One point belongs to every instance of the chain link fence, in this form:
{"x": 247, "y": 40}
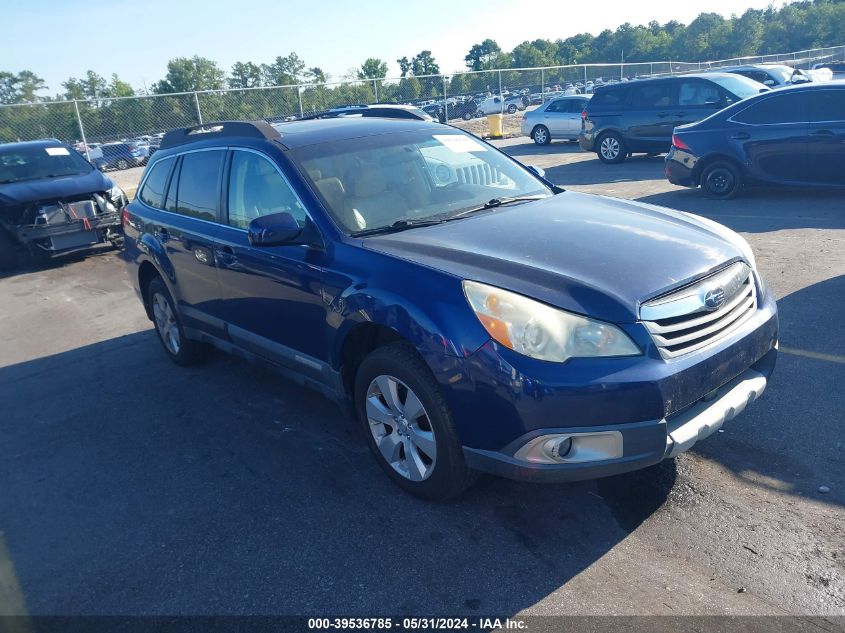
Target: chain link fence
{"x": 461, "y": 98}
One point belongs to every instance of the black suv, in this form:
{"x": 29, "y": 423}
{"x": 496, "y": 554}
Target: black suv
{"x": 639, "y": 116}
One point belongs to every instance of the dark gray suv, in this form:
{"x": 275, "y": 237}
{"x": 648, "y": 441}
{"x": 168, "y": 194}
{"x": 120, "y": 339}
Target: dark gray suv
{"x": 639, "y": 116}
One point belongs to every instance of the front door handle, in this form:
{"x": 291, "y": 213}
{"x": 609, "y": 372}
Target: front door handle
{"x": 823, "y": 133}
{"x": 226, "y": 256}
{"x": 741, "y": 136}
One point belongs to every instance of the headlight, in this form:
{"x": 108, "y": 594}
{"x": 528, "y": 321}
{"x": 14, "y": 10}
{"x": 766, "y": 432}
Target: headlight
{"x": 117, "y": 196}
{"x": 541, "y": 331}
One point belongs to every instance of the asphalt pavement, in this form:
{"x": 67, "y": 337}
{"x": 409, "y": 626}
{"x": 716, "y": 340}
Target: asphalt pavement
{"x": 131, "y": 486}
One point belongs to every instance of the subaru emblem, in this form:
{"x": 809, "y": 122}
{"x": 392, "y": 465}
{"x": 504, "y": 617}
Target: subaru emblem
{"x": 714, "y": 297}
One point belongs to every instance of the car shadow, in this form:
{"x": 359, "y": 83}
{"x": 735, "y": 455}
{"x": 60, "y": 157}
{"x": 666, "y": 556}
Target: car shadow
{"x": 135, "y": 486}
{"x": 529, "y": 148}
{"x": 753, "y": 211}
{"x": 28, "y": 264}
{"x": 591, "y": 171}
{"x": 791, "y": 440}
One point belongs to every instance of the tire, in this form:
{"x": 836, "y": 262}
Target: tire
{"x": 512, "y": 108}
{"x": 122, "y": 164}
{"x": 467, "y": 116}
{"x": 611, "y": 148}
{"x": 541, "y": 135}
{"x": 721, "y": 180}
{"x": 423, "y": 455}
{"x": 8, "y": 252}
{"x": 168, "y": 326}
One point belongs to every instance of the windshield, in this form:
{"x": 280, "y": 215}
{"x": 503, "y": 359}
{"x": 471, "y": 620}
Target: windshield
{"x": 411, "y": 176}
{"x": 33, "y": 163}
{"x": 742, "y": 87}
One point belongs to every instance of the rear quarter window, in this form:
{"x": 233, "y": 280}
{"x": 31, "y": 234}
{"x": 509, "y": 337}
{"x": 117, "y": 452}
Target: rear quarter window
{"x": 152, "y": 193}
{"x": 198, "y": 194}
{"x": 784, "y": 107}
{"x": 609, "y": 97}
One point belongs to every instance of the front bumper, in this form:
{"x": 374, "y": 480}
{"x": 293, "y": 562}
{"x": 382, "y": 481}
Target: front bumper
{"x": 642, "y": 444}
{"x": 57, "y": 238}
{"x": 658, "y": 407}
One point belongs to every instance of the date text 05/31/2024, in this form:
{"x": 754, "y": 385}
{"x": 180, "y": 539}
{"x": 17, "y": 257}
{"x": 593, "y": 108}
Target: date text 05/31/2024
{"x": 435, "y": 624}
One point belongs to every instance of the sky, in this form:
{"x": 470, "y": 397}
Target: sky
{"x": 58, "y": 39}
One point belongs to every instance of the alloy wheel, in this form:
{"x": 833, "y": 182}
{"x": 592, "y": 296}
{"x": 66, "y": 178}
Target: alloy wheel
{"x": 540, "y": 136}
{"x": 166, "y": 324}
{"x": 401, "y": 428}
{"x": 609, "y": 148}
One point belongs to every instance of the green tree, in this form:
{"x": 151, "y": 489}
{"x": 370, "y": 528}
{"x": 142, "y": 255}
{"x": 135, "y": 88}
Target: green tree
{"x": 245, "y": 75}
{"x": 372, "y": 68}
{"x": 481, "y": 55}
{"x": 316, "y": 75}
{"x": 119, "y": 88}
{"x": 284, "y": 71}
{"x": 423, "y": 64}
{"x": 188, "y": 74}
{"x": 22, "y": 87}
{"x": 404, "y": 65}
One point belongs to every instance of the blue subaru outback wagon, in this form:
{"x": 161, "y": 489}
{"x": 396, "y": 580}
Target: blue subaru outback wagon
{"x": 478, "y": 318}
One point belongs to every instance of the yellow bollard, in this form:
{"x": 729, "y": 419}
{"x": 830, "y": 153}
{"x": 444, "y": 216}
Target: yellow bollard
{"x": 495, "y": 125}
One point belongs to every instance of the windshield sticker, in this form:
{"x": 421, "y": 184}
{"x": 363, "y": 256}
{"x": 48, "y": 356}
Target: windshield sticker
{"x": 460, "y": 143}
{"x": 58, "y": 151}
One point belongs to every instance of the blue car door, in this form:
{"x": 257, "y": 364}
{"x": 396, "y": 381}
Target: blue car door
{"x": 186, "y": 230}
{"x": 826, "y": 138}
{"x": 272, "y": 297}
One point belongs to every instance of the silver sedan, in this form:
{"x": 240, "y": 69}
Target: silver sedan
{"x": 558, "y": 118}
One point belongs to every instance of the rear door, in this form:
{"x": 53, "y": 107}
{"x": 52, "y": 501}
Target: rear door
{"x": 554, "y": 118}
{"x": 272, "y": 296}
{"x": 572, "y": 117}
{"x": 651, "y": 116}
{"x": 773, "y": 136}
{"x": 826, "y": 137}
{"x": 697, "y": 99}
{"x": 187, "y": 229}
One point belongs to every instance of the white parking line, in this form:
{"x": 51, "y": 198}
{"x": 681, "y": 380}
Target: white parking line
{"x": 833, "y": 358}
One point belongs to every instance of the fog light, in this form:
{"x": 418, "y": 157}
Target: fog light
{"x": 572, "y": 448}
{"x": 558, "y": 448}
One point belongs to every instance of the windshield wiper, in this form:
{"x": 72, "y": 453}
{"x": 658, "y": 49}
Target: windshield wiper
{"x": 496, "y": 202}
{"x": 399, "y": 225}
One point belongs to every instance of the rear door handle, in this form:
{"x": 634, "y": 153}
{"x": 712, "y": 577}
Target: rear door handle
{"x": 823, "y": 133}
{"x": 741, "y": 136}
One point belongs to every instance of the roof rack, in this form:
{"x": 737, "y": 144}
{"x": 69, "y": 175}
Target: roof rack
{"x": 219, "y": 129}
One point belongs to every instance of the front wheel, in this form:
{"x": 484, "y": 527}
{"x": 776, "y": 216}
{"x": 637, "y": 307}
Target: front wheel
{"x": 168, "y": 325}
{"x": 612, "y": 149}
{"x": 511, "y": 108}
{"x": 122, "y": 164}
{"x": 408, "y": 425}
{"x": 541, "y": 135}
{"x": 721, "y": 180}
{"x": 467, "y": 116}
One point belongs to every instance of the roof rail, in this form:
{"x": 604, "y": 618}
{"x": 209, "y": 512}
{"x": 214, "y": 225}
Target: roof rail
{"x": 219, "y": 129}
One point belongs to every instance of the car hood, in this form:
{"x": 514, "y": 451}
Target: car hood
{"x": 589, "y": 254}
{"x": 46, "y": 189}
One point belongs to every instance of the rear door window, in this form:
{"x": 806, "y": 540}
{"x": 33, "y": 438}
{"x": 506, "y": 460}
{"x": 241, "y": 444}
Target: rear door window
{"x": 827, "y": 105}
{"x": 555, "y": 106}
{"x": 152, "y": 193}
{"x": 653, "y": 95}
{"x": 695, "y": 92}
{"x": 198, "y": 193}
{"x": 790, "y": 107}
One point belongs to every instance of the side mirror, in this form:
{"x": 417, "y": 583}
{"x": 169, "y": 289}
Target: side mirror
{"x": 769, "y": 82}
{"x": 537, "y": 170}
{"x": 276, "y": 229}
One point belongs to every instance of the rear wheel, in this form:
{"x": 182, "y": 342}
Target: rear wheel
{"x": 122, "y": 164}
{"x": 168, "y": 325}
{"x": 541, "y": 135}
{"x": 8, "y": 252}
{"x": 408, "y": 425}
{"x": 721, "y": 180}
{"x": 512, "y": 108}
{"x": 611, "y": 148}
{"x": 467, "y": 116}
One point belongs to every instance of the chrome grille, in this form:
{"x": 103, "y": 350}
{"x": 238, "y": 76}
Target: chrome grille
{"x": 682, "y": 321}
